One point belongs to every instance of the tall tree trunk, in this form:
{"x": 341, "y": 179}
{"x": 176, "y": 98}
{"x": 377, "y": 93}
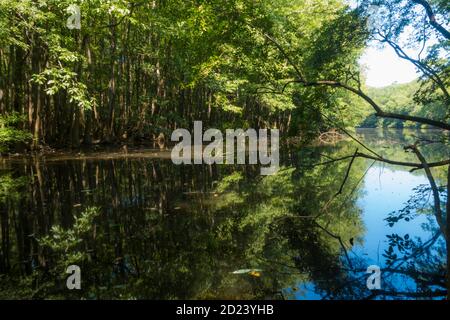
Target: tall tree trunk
{"x": 36, "y": 94}
{"x": 112, "y": 81}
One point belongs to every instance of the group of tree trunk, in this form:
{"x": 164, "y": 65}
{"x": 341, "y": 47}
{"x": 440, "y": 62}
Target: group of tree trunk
{"x": 113, "y": 80}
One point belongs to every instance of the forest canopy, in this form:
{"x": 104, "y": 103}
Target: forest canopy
{"x": 136, "y": 69}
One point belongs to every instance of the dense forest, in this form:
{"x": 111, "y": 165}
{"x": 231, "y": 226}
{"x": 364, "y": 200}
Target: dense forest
{"x": 136, "y": 70}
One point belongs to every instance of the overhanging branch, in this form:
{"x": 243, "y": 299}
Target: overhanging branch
{"x": 432, "y": 18}
{"x": 414, "y": 165}
{"x": 379, "y": 112}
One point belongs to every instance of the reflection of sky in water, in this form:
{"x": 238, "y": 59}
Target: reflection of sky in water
{"x": 385, "y": 190}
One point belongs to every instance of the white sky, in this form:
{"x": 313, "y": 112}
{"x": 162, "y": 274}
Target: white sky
{"x": 383, "y": 67}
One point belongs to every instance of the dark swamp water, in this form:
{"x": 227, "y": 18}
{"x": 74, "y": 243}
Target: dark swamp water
{"x": 141, "y": 227}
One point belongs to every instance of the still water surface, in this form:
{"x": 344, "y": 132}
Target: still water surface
{"x": 140, "y": 227}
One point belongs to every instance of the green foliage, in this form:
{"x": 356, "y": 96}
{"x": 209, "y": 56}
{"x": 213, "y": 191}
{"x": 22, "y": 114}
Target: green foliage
{"x": 406, "y": 28}
{"x": 66, "y": 243}
{"x": 10, "y": 188}
{"x": 397, "y": 98}
{"x": 56, "y": 79}
{"x": 12, "y": 138}
{"x": 402, "y": 99}
{"x": 144, "y": 68}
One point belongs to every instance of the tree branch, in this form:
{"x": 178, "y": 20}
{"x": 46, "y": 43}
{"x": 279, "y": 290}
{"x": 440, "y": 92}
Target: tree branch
{"x": 415, "y": 166}
{"x": 340, "y": 242}
{"x": 432, "y": 18}
{"x": 376, "y": 107}
{"x": 347, "y": 173}
{"x": 288, "y": 58}
{"x": 426, "y": 69}
{"x": 358, "y": 92}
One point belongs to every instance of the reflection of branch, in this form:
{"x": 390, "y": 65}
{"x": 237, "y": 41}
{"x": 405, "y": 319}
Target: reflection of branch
{"x": 340, "y": 241}
{"x": 434, "y": 188}
{"x": 424, "y": 277}
{"x": 347, "y": 173}
{"x": 325, "y": 207}
{"x": 396, "y": 270}
{"x": 417, "y": 252}
{"x": 355, "y": 187}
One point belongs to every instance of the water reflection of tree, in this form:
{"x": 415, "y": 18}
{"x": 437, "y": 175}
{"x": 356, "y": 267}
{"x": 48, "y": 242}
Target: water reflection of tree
{"x": 163, "y": 231}
{"x": 422, "y": 261}
{"x": 414, "y": 267}
{"x": 298, "y": 224}
{"x": 169, "y": 232}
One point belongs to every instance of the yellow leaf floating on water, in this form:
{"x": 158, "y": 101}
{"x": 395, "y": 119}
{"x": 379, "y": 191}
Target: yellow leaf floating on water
{"x": 255, "y": 274}
{"x": 252, "y": 272}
